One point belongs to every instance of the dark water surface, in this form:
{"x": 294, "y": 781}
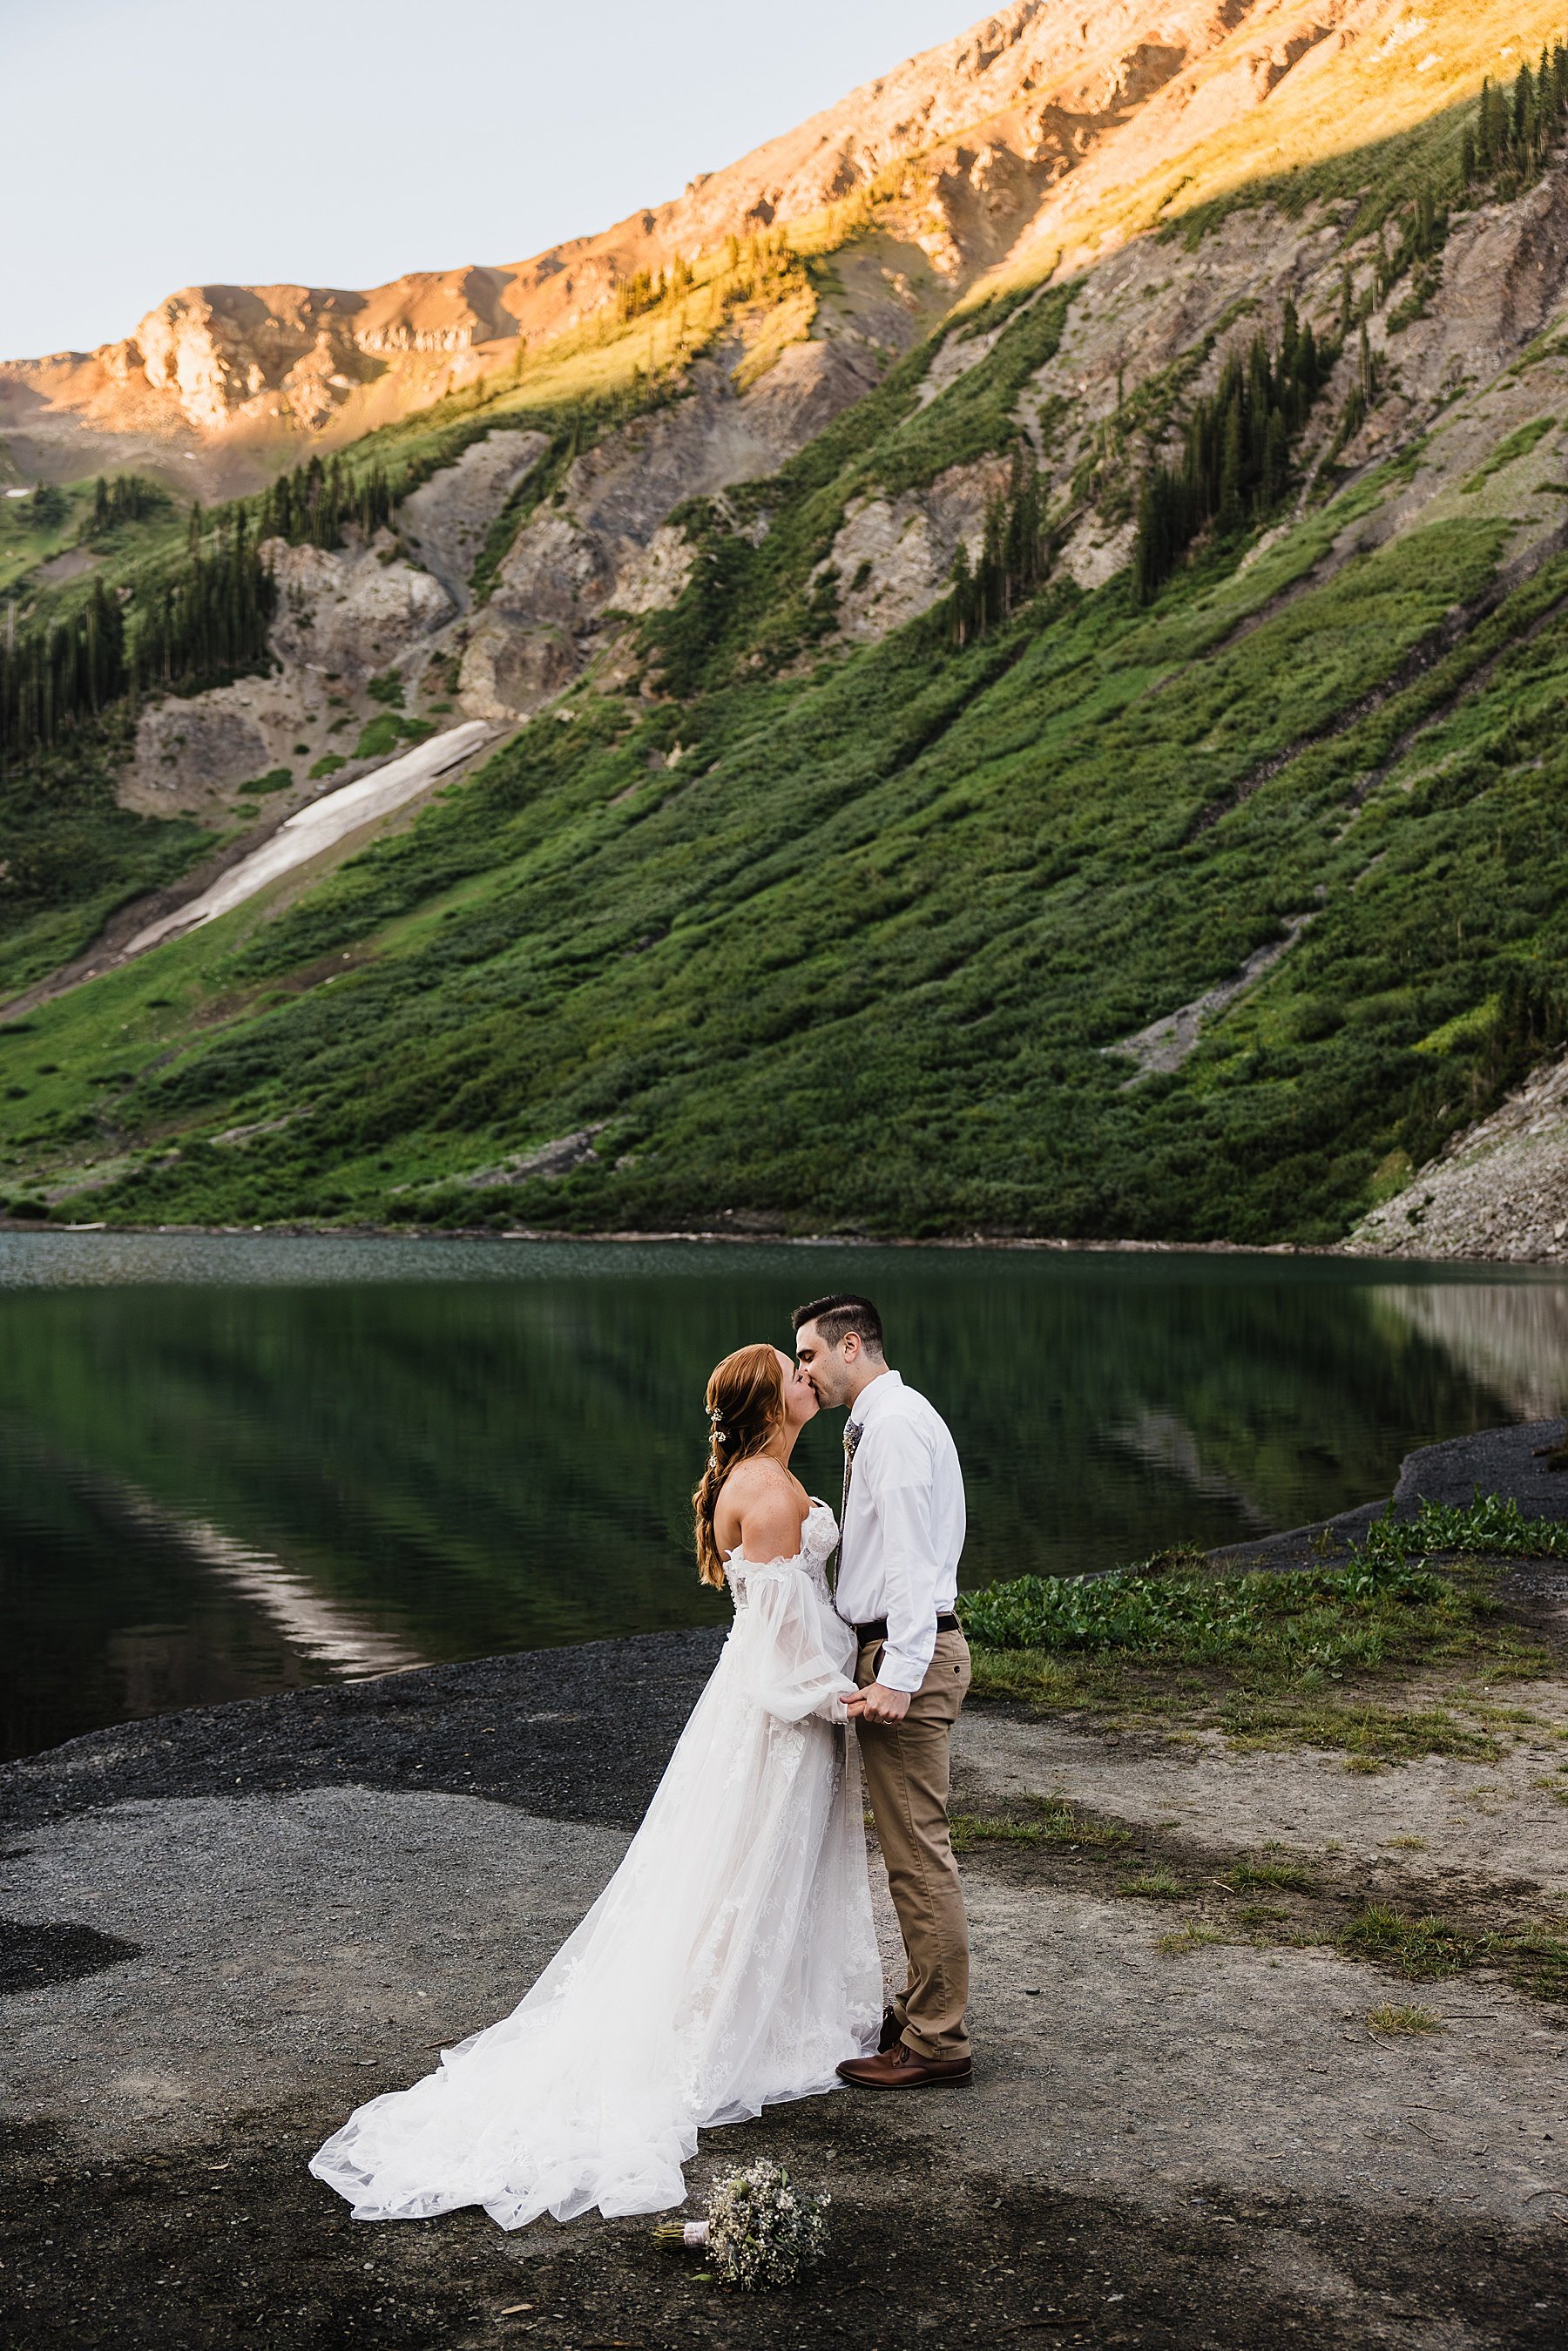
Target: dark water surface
{"x": 230, "y": 1465}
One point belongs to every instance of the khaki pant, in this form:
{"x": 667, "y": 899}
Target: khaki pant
{"x": 906, "y": 1766}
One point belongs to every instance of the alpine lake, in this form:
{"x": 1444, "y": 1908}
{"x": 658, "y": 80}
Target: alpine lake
{"x": 236, "y": 1463}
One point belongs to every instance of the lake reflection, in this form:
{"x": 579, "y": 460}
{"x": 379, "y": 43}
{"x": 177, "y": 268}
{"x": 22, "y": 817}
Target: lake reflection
{"x": 230, "y": 1465}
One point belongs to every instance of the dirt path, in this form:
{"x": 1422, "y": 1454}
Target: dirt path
{"x": 1187, "y": 2146}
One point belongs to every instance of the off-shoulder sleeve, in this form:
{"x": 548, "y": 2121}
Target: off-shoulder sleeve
{"x": 793, "y": 1664}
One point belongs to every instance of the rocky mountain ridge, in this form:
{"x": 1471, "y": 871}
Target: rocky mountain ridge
{"x": 1033, "y": 138}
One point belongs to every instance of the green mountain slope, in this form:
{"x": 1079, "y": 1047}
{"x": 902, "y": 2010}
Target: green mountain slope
{"x": 855, "y": 959}
{"x": 761, "y": 926}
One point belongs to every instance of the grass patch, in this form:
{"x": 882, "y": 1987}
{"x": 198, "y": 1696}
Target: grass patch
{"x": 1187, "y": 1939}
{"x": 1405, "y": 2020}
{"x": 1052, "y": 1820}
{"x": 971, "y": 1829}
{"x": 382, "y": 735}
{"x": 1265, "y": 1657}
{"x": 1369, "y": 1733}
{"x": 1421, "y": 1949}
{"x": 1062, "y": 1823}
{"x": 1041, "y": 1821}
{"x": 1533, "y": 1956}
{"x": 1153, "y": 1886}
{"x": 1287, "y": 1877}
{"x": 1508, "y": 452}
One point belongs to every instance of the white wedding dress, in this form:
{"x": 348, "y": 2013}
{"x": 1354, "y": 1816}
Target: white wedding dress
{"x": 730, "y": 1963}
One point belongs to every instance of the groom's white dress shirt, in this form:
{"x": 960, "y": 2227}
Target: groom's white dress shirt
{"x": 904, "y": 1526}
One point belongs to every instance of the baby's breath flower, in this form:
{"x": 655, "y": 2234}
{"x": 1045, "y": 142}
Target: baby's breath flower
{"x": 760, "y": 2231}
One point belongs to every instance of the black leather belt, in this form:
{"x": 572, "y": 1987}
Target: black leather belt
{"x": 877, "y": 1629}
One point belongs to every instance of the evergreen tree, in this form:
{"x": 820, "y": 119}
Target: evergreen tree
{"x": 1524, "y": 108}
{"x": 50, "y": 506}
{"x": 212, "y": 619}
{"x": 1512, "y": 135}
{"x": 125, "y": 499}
{"x": 1235, "y": 462}
{"x": 311, "y": 505}
{"x": 1013, "y": 560}
{"x": 55, "y": 678}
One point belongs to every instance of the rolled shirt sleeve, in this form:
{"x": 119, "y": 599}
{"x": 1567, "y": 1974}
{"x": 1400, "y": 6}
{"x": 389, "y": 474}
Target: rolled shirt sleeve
{"x": 898, "y": 1481}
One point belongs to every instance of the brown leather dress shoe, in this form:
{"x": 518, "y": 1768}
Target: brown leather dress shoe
{"x": 902, "y": 2068}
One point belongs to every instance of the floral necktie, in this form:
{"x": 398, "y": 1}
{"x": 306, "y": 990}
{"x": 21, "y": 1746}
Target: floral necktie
{"x": 852, "y": 1439}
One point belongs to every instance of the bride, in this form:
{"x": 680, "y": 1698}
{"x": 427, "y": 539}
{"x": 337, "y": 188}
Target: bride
{"x": 731, "y": 1962}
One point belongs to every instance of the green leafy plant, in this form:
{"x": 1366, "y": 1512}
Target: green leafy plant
{"x": 381, "y": 736}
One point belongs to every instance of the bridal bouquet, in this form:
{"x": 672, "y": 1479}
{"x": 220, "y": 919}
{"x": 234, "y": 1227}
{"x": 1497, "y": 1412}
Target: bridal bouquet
{"x": 759, "y": 2230}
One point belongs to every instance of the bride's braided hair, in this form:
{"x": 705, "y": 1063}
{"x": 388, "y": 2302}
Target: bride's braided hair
{"x": 745, "y": 1406}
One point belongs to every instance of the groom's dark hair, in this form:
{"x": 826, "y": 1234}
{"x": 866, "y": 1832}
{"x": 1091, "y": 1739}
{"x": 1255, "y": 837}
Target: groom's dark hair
{"x": 837, "y": 1316}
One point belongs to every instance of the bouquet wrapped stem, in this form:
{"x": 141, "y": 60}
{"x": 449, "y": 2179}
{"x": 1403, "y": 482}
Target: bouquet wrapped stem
{"x": 692, "y": 2234}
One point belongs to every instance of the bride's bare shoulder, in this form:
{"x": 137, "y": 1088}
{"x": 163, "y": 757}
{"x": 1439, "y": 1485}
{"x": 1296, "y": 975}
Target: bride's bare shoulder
{"x": 758, "y": 1474}
{"x": 759, "y": 1507}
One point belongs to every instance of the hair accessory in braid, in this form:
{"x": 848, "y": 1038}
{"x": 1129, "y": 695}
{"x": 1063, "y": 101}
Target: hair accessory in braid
{"x": 745, "y": 1406}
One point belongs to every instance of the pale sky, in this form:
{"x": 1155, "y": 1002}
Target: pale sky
{"x": 152, "y": 145}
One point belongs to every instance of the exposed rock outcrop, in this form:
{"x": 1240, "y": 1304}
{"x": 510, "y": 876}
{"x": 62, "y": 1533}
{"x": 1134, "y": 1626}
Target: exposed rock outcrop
{"x": 1501, "y": 1189}
{"x": 449, "y": 518}
{"x": 251, "y": 366}
{"x": 606, "y": 547}
{"x": 342, "y": 616}
{"x": 351, "y": 613}
{"x": 895, "y": 556}
{"x": 186, "y": 749}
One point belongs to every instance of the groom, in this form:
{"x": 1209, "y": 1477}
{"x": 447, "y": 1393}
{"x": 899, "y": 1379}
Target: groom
{"x": 900, "y": 1534}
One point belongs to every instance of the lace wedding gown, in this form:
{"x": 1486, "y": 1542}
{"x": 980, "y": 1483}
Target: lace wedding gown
{"x": 730, "y": 1963}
